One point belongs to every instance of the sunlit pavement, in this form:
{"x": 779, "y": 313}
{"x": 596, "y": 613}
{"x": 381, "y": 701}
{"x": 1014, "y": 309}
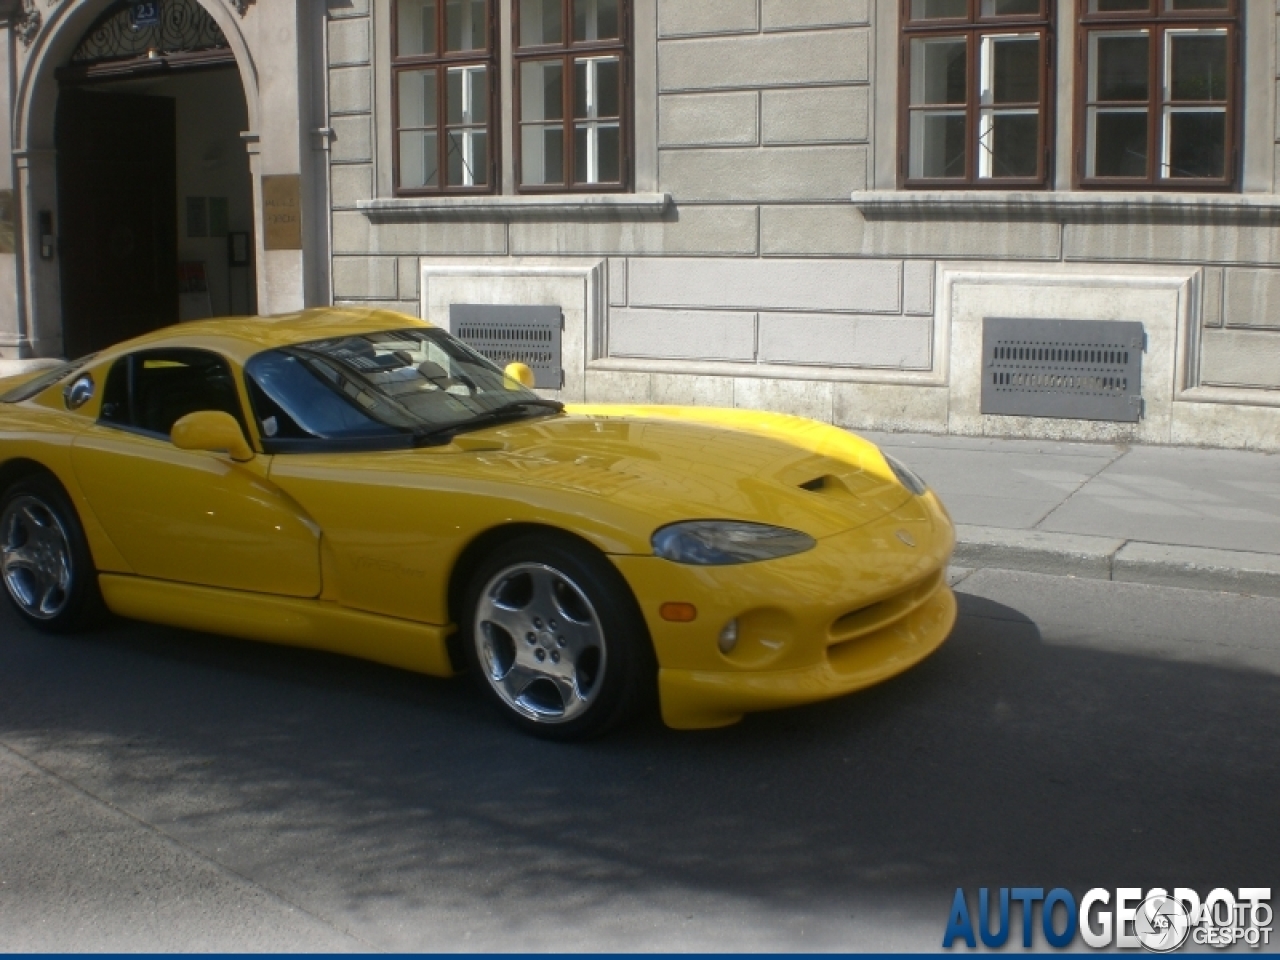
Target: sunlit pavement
{"x": 165, "y": 790}
{"x": 1169, "y": 516}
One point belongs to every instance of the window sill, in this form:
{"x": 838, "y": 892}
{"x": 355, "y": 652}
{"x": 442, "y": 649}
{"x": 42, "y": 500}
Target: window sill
{"x": 603, "y": 205}
{"x": 1061, "y": 205}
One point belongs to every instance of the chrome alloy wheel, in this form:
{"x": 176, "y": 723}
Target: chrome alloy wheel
{"x": 540, "y": 642}
{"x": 35, "y": 557}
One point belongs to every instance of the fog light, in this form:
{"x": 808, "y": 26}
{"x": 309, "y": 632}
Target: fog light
{"x": 729, "y": 636}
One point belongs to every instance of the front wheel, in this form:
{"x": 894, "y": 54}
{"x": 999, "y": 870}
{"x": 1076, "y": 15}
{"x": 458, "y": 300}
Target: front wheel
{"x": 44, "y": 558}
{"x": 556, "y": 639}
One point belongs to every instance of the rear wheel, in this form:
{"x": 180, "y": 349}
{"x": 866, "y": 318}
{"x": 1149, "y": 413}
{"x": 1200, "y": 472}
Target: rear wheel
{"x": 44, "y": 558}
{"x": 556, "y": 640}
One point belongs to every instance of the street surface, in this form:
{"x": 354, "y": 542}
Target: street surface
{"x": 163, "y": 790}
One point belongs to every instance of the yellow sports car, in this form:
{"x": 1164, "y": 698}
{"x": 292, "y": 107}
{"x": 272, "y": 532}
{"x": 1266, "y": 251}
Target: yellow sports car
{"x": 362, "y": 482}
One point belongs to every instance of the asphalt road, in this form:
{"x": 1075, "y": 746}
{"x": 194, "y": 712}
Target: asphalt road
{"x": 164, "y": 790}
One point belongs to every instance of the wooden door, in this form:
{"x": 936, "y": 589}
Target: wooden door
{"x": 118, "y": 217}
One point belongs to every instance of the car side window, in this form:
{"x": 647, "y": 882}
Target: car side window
{"x": 293, "y": 402}
{"x": 154, "y": 389}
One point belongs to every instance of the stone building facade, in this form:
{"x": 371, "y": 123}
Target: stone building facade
{"x": 808, "y": 206}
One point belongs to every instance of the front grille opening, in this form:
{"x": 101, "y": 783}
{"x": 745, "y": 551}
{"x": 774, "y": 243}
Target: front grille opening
{"x": 884, "y": 613}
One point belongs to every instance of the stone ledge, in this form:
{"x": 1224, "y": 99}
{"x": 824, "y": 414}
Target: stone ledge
{"x": 592, "y": 205}
{"x": 1127, "y": 561}
{"x": 1060, "y": 554}
{"x": 1061, "y": 205}
{"x": 774, "y": 371}
{"x": 1198, "y": 568}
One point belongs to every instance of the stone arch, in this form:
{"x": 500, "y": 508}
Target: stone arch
{"x": 37, "y": 94}
{"x": 32, "y": 135}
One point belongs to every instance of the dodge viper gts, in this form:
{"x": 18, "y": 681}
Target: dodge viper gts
{"x": 364, "y": 483}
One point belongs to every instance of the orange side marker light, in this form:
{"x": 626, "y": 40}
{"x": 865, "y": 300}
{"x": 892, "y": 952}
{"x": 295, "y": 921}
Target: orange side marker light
{"x": 678, "y": 612}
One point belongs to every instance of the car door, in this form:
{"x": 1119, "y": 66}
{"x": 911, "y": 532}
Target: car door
{"x": 189, "y": 516}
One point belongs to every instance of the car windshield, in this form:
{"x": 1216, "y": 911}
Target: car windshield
{"x": 398, "y": 385}
{"x": 47, "y": 379}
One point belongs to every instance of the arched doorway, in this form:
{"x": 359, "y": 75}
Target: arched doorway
{"x": 155, "y": 199}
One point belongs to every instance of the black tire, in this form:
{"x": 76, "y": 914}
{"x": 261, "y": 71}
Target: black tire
{"x": 555, "y": 639}
{"x": 45, "y": 563}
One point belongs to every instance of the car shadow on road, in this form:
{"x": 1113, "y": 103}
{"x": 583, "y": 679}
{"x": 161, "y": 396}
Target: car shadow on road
{"x": 1002, "y": 760}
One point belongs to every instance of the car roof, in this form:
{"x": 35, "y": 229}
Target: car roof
{"x": 242, "y": 337}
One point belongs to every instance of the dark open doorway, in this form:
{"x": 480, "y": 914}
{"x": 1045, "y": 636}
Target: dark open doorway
{"x": 155, "y": 200}
{"x": 117, "y": 212}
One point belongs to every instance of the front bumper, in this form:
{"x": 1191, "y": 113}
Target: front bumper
{"x": 859, "y": 608}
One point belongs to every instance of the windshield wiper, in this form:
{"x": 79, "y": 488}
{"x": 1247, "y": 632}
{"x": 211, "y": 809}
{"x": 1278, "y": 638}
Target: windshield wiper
{"x": 508, "y": 411}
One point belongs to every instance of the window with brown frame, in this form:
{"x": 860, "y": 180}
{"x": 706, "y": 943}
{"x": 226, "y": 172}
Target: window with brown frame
{"x": 1157, "y": 94}
{"x": 976, "y": 80}
{"x": 572, "y": 105}
{"x": 443, "y": 95}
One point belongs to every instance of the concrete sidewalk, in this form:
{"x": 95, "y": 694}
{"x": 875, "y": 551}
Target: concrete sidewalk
{"x": 1175, "y": 516}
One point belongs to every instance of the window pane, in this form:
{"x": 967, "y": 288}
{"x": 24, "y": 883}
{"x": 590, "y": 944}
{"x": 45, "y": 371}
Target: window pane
{"x": 1012, "y": 141}
{"x": 468, "y": 157}
{"x": 540, "y": 22}
{"x": 541, "y": 90}
{"x": 1119, "y": 147}
{"x": 597, "y": 153}
{"x": 597, "y": 87}
{"x": 415, "y": 27}
{"x": 541, "y": 155}
{"x": 1197, "y": 143}
{"x": 595, "y": 20}
{"x": 937, "y": 144}
{"x": 939, "y": 71}
{"x": 1009, "y": 8}
{"x": 419, "y": 159}
{"x": 464, "y": 25}
{"x": 939, "y": 9}
{"x": 1016, "y": 70}
{"x": 1198, "y": 66}
{"x": 1120, "y": 67}
{"x": 467, "y": 95}
{"x": 1198, "y": 5}
{"x": 1118, "y": 6}
{"x": 417, "y": 98}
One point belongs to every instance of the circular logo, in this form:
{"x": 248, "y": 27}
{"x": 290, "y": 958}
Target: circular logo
{"x": 1161, "y": 924}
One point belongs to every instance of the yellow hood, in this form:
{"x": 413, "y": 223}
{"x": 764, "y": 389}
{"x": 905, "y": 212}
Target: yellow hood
{"x": 678, "y": 463}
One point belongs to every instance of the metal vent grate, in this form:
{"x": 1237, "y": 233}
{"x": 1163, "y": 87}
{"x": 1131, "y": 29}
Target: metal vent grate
{"x": 508, "y": 334}
{"x": 1074, "y": 369}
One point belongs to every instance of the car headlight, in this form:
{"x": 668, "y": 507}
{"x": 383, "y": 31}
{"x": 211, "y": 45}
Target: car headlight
{"x": 718, "y": 542}
{"x": 906, "y": 476}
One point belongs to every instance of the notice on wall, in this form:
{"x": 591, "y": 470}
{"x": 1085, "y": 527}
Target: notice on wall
{"x": 6, "y": 221}
{"x": 197, "y": 217}
{"x": 194, "y": 302}
{"x": 282, "y": 211}
{"x": 219, "y": 217}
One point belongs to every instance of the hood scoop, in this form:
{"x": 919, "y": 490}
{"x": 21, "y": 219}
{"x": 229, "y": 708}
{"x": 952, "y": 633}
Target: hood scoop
{"x": 828, "y": 483}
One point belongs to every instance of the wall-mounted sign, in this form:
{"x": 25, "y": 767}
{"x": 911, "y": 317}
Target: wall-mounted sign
{"x": 144, "y": 14}
{"x": 282, "y": 211}
{"x": 219, "y": 216}
{"x": 194, "y": 302}
{"x": 238, "y": 249}
{"x": 6, "y": 221}
{"x": 197, "y": 217}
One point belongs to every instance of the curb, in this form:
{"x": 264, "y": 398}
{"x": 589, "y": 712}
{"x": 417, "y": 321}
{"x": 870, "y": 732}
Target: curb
{"x": 1128, "y": 561}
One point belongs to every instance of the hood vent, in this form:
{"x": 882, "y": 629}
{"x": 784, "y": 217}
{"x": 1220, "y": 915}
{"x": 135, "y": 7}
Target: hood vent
{"x": 819, "y": 484}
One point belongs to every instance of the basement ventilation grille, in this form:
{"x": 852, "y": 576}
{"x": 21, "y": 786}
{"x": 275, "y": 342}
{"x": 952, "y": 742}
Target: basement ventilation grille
{"x": 510, "y": 334}
{"x": 1072, "y": 369}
